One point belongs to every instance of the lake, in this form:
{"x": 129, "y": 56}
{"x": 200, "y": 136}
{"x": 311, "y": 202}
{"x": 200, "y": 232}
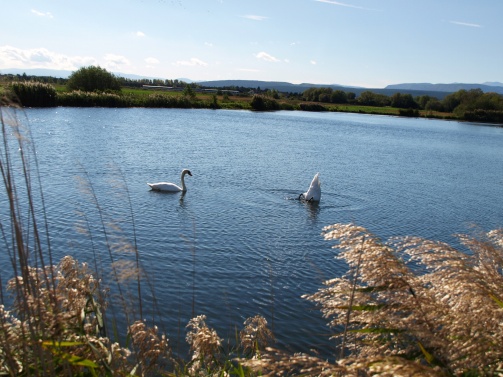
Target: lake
{"x": 238, "y": 243}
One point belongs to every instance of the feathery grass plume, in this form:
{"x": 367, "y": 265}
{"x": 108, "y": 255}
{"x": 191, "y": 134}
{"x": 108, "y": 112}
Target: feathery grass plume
{"x": 68, "y": 330}
{"x": 151, "y": 349}
{"x": 255, "y": 336}
{"x": 73, "y": 308}
{"x": 390, "y": 366}
{"x": 416, "y": 299}
{"x": 205, "y": 345}
{"x": 59, "y": 330}
{"x": 275, "y": 362}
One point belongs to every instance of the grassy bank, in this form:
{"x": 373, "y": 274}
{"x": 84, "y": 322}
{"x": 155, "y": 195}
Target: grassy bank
{"x": 31, "y": 94}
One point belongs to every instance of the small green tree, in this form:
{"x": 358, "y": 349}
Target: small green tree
{"x": 434, "y": 105}
{"x": 339, "y": 96}
{"x": 403, "y": 101}
{"x": 214, "y": 102}
{"x": 189, "y": 92}
{"x": 92, "y": 78}
{"x": 368, "y": 98}
{"x": 324, "y": 97}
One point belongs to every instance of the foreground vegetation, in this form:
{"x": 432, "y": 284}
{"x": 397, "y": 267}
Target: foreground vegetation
{"x": 95, "y": 87}
{"x": 408, "y": 306}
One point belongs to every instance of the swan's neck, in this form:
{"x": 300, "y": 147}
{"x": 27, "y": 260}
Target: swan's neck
{"x": 182, "y": 178}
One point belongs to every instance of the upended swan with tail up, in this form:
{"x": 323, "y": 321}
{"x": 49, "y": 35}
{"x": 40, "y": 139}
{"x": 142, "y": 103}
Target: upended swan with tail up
{"x": 171, "y": 187}
{"x": 313, "y": 194}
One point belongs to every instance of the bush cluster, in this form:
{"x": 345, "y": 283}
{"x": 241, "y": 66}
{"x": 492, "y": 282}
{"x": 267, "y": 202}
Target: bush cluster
{"x": 167, "y": 101}
{"x": 408, "y": 112}
{"x": 312, "y": 107}
{"x": 486, "y": 116}
{"x": 34, "y": 94}
{"x": 79, "y": 98}
{"x": 264, "y": 103}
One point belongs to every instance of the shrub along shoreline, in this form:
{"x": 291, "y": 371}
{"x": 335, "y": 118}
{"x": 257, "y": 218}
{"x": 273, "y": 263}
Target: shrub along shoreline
{"x": 37, "y": 94}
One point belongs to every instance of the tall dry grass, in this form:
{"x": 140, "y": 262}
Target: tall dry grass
{"x": 415, "y": 302}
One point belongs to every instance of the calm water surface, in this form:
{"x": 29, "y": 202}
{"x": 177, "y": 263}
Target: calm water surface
{"x": 238, "y": 243}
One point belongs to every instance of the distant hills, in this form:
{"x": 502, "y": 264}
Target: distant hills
{"x": 434, "y": 90}
{"x": 277, "y": 85}
{"x": 415, "y": 89}
{"x": 496, "y": 87}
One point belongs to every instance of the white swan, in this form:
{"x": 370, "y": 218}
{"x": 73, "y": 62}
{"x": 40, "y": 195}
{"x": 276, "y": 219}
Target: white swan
{"x": 313, "y": 194}
{"x": 171, "y": 187}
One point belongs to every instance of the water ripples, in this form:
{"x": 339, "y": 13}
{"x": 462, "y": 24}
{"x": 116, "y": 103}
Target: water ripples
{"x": 239, "y": 242}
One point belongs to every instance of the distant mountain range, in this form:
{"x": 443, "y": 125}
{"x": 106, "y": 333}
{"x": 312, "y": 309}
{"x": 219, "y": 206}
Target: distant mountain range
{"x": 415, "y": 89}
{"x": 434, "y": 90}
{"x": 277, "y": 85}
{"x": 485, "y": 87}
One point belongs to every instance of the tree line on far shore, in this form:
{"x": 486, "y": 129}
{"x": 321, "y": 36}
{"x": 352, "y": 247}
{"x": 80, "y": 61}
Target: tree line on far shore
{"x": 463, "y": 103}
{"x": 94, "y": 86}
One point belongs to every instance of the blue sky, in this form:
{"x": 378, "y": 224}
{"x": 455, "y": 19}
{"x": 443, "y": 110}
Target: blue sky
{"x": 369, "y": 43}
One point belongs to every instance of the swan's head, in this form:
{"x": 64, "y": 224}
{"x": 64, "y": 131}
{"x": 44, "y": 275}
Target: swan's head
{"x": 186, "y": 171}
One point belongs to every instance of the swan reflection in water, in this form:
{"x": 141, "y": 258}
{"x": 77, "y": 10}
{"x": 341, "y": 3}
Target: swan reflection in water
{"x": 313, "y": 209}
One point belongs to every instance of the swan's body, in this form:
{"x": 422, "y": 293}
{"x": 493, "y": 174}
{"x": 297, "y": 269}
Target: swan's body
{"x": 313, "y": 194}
{"x": 171, "y": 187}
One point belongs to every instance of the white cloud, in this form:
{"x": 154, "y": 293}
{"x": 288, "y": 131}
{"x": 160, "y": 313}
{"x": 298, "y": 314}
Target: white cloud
{"x": 464, "y": 24}
{"x": 254, "y": 17}
{"x": 116, "y": 62}
{"x": 41, "y": 14}
{"x": 343, "y": 4}
{"x": 192, "y": 62}
{"x": 12, "y": 57}
{"x": 152, "y": 61}
{"x": 265, "y": 56}
{"x": 209, "y": 44}
{"x": 140, "y": 34}
{"x": 313, "y": 62}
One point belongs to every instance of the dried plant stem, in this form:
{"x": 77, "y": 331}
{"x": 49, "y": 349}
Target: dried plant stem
{"x": 109, "y": 249}
{"x": 135, "y": 244}
{"x": 356, "y": 273}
